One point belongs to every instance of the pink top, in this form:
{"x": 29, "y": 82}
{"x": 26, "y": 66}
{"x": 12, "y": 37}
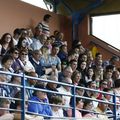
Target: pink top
{"x": 77, "y": 113}
{"x": 89, "y": 115}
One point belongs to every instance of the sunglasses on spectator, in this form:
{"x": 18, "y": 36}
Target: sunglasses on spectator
{"x": 16, "y": 52}
{"x": 24, "y": 54}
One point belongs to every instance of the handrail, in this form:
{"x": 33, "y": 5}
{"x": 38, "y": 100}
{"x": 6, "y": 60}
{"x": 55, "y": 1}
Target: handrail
{"x": 24, "y": 87}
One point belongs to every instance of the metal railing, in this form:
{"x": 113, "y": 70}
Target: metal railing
{"x": 24, "y": 87}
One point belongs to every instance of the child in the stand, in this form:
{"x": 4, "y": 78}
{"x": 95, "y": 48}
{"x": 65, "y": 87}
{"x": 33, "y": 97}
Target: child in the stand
{"x": 56, "y": 110}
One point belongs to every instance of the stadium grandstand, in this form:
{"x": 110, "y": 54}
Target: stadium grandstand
{"x": 52, "y": 67}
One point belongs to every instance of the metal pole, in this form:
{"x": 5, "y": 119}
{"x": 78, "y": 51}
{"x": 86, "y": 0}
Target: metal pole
{"x": 73, "y": 101}
{"x": 114, "y": 106}
{"x": 23, "y": 97}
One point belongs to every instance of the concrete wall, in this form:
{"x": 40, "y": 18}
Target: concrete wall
{"x": 17, "y": 14}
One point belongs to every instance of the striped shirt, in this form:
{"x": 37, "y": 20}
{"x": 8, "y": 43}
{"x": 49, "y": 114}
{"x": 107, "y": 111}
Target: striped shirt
{"x": 45, "y": 28}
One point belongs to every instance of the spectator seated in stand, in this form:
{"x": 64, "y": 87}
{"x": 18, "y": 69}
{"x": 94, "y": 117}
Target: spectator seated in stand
{"x": 39, "y": 108}
{"x": 88, "y": 112}
{"x": 101, "y": 110}
{"x": 67, "y": 91}
{"x": 79, "y": 105}
{"x": 52, "y": 86}
{"x": 22, "y": 64}
{"x": 17, "y": 114}
{"x": 4, "y": 113}
{"x": 63, "y": 53}
{"x": 57, "y": 111}
{"x": 35, "y": 60}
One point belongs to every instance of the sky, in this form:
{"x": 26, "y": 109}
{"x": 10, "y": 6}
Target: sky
{"x": 38, "y": 3}
{"x": 107, "y": 28}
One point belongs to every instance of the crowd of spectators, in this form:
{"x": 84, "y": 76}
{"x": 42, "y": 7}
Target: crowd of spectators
{"x": 37, "y": 54}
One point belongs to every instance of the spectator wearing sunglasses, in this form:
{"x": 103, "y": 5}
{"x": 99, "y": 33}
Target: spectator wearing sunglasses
{"x": 22, "y": 64}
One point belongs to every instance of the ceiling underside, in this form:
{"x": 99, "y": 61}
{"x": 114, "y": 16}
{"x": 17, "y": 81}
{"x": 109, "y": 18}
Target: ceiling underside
{"x": 68, "y": 7}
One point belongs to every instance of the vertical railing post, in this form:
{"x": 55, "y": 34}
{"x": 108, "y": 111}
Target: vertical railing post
{"x": 23, "y": 97}
{"x": 73, "y": 101}
{"x": 114, "y": 106}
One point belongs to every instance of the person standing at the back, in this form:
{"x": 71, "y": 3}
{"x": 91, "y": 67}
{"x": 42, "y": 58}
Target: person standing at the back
{"x": 44, "y": 25}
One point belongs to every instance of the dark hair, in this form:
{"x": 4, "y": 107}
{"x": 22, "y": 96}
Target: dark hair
{"x": 97, "y": 54}
{"x": 109, "y": 67}
{"x": 88, "y": 71}
{"x": 52, "y": 36}
{"x": 86, "y": 102}
{"x": 35, "y": 51}
{"x": 23, "y": 50}
{"x": 12, "y": 50}
{"x": 54, "y": 45}
{"x": 72, "y": 61}
{"x": 90, "y": 83}
{"x": 39, "y": 86}
{"x": 17, "y": 102}
{"x": 19, "y": 45}
{"x": 2, "y": 40}
{"x": 17, "y": 31}
{"x": 101, "y": 82}
{"x": 46, "y": 17}
{"x": 77, "y": 101}
{"x": 56, "y": 32}
{"x": 106, "y": 89}
{"x": 6, "y": 58}
{"x": 55, "y": 99}
{"x": 114, "y": 58}
{"x": 117, "y": 83}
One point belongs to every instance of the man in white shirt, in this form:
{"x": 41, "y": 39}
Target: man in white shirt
{"x": 36, "y": 44}
{"x": 66, "y": 90}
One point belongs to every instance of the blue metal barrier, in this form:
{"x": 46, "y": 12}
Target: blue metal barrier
{"x": 23, "y": 89}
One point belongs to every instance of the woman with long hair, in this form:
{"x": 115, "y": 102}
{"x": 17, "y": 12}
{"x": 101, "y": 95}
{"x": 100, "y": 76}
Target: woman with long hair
{"x": 6, "y": 42}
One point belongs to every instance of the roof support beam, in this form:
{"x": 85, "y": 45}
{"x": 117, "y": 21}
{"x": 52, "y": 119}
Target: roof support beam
{"x": 77, "y": 17}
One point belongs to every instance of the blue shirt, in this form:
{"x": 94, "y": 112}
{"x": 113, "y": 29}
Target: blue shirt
{"x": 39, "y": 108}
